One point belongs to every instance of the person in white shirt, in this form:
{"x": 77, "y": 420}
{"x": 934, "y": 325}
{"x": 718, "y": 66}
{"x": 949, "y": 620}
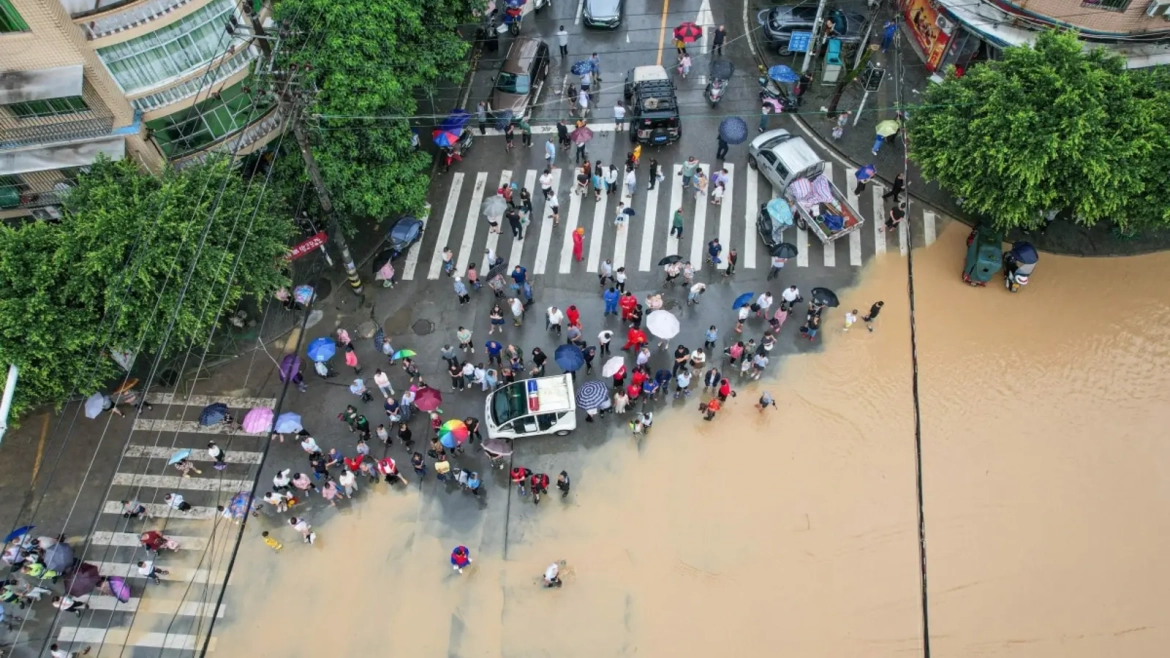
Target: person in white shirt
{"x": 217, "y": 454}
{"x": 383, "y": 382}
{"x": 619, "y": 277}
{"x": 631, "y": 183}
{"x": 698, "y": 359}
{"x": 69, "y": 604}
{"x": 583, "y": 102}
{"x": 603, "y": 339}
{"x": 309, "y": 445}
{"x": 175, "y": 501}
{"x": 764, "y": 301}
{"x": 619, "y": 116}
{"x": 554, "y": 318}
{"x": 302, "y": 526}
{"x": 552, "y": 576}
{"x": 643, "y": 355}
{"x": 348, "y": 482}
{"x": 281, "y": 480}
{"x": 546, "y": 181}
{"x": 789, "y": 298}
{"x": 777, "y": 265}
{"x": 611, "y": 179}
{"x": 563, "y": 40}
{"x": 146, "y": 569}
{"x": 480, "y": 377}
{"x": 279, "y": 501}
{"x": 57, "y": 652}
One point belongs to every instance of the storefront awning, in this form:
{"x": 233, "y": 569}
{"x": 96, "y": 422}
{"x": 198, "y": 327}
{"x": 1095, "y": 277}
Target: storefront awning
{"x": 40, "y": 84}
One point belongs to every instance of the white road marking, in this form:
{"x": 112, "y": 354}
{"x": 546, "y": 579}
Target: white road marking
{"x": 830, "y": 246}
{"x": 546, "y": 227}
{"x": 725, "y": 210}
{"x": 473, "y": 214}
{"x": 196, "y": 513}
{"x": 580, "y": 11}
{"x": 197, "y": 454}
{"x": 855, "y": 236}
{"x": 824, "y": 148}
{"x": 493, "y": 239}
{"x": 130, "y": 539}
{"x": 153, "y": 606}
{"x": 445, "y": 226}
{"x": 752, "y": 205}
{"x": 699, "y": 235}
{"x": 517, "y": 251}
{"x": 204, "y": 400}
{"x": 706, "y": 21}
{"x": 748, "y": 28}
{"x": 801, "y": 248}
{"x": 188, "y": 426}
{"x": 676, "y": 192}
{"x": 570, "y": 226}
{"x": 551, "y": 129}
{"x": 928, "y": 227}
{"x": 903, "y": 238}
{"x": 178, "y": 482}
{"x": 648, "y": 220}
{"x": 121, "y": 637}
{"x": 879, "y": 218}
{"x": 621, "y": 238}
{"x": 599, "y": 208}
{"x": 174, "y": 574}
{"x": 412, "y": 254}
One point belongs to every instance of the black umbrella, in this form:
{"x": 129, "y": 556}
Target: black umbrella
{"x": 83, "y": 581}
{"x": 669, "y": 260}
{"x": 503, "y": 119}
{"x": 786, "y": 250}
{"x": 825, "y": 297}
{"x": 382, "y": 258}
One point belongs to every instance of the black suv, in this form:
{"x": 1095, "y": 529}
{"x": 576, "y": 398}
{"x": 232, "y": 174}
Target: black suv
{"x": 654, "y": 118}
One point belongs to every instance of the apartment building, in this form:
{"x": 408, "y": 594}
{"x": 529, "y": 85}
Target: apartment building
{"x": 157, "y": 81}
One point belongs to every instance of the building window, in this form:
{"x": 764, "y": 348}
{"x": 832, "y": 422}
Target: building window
{"x": 205, "y": 123}
{"x": 198, "y": 84}
{"x": 1110, "y": 5}
{"x": 172, "y": 51}
{"x": 10, "y": 20}
{"x": 48, "y": 108}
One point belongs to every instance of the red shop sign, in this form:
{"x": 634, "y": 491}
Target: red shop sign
{"x": 307, "y": 246}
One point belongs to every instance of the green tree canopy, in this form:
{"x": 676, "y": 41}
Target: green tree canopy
{"x": 89, "y": 283}
{"x": 1050, "y": 127}
{"x": 369, "y": 59}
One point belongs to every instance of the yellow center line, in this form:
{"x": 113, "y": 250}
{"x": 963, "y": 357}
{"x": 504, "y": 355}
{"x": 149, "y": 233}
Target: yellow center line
{"x": 662, "y": 30}
{"x": 40, "y": 449}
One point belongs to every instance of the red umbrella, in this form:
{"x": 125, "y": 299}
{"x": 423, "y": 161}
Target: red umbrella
{"x": 687, "y": 32}
{"x": 428, "y": 399}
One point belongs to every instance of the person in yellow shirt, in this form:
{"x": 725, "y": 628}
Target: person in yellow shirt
{"x": 272, "y": 543}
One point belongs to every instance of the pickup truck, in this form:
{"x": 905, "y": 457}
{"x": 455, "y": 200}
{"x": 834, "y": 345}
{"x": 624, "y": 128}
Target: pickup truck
{"x": 791, "y": 165}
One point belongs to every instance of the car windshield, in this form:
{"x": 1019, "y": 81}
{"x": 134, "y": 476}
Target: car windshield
{"x": 509, "y": 402}
{"x": 782, "y": 19}
{"x": 513, "y": 83}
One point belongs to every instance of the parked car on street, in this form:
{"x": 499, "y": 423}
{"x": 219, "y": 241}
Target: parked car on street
{"x": 780, "y": 22}
{"x": 605, "y": 14}
{"x": 521, "y": 77}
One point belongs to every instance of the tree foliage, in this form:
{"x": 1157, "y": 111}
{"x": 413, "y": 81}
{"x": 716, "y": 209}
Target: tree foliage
{"x": 1050, "y": 127}
{"x": 370, "y": 59}
{"x": 90, "y": 283}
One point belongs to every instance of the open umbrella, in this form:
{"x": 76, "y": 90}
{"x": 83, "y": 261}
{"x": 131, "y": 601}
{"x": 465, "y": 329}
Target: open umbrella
{"x": 503, "y": 119}
{"x": 780, "y": 212}
{"x": 453, "y": 433}
{"x": 290, "y": 365}
{"x": 239, "y": 505}
{"x": 629, "y": 212}
{"x": 94, "y": 405}
{"x": 662, "y": 324}
{"x": 733, "y": 130}
{"x": 887, "y": 127}
{"x": 404, "y": 354}
{"x": 59, "y": 557}
{"x": 612, "y": 366}
{"x": 179, "y": 456}
{"x": 84, "y": 580}
{"x": 579, "y": 68}
{"x": 258, "y": 420}
{"x": 825, "y": 297}
{"x": 288, "y": 422}
{"x": 213, "y": 414}
{"x": 569, "y": 358}
{"x": 119, "y": 588}
{"x": 19, "y": 532}
{"x": 581, "y": 135}
{"x": 785, "y": 250}
{"x": 303, "y": 294}
{"x": 322, "y": 349}
{"x": 866, "y": 172}
{"x": 775, "y": 105}
{"x": 688, "y": 32}
{"x": 782, "y": 73}
{"x": 428, "y": 399}
{"x": 357, "y": 386}
{"x": 743, "y": 300}
{"x": 592, "y": 394}
{"x": 386, "y": 272}
{"x": 669, "y": 260}
{"x": 494, "y": 208}
{"x": 382, "y": 260}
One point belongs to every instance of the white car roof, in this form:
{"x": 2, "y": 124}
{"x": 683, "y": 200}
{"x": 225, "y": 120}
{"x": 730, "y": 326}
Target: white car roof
{"x": 651, "y": 72}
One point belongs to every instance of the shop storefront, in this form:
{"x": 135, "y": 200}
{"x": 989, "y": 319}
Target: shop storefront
{"x": 941, "y": 39}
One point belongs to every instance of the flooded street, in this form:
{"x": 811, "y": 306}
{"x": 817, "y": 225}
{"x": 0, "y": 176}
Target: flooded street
{"x": 795, "y": 530}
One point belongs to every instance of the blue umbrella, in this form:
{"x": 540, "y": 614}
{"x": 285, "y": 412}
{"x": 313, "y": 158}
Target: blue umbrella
{"x": 629, "y": 212}
{"x": 743, "y": 300}
{"x": 503, "y": 119}
{"x": 322, "y": 349}
{"x": 781, "y": 73}
{"x": 866, "y": 172}
{"x": 19, "y": 532}
{"x": 448, "y": 441}
{"x": 288, "y": 422}
{"x": 179, "y": 456}
{"x": 569, "y": 358}
{"x": 581, "y": 67}
{"x": 239, "y": 505}
{"x": 733, "y": 130}
{"x": 213, "y": 414}
{"x": 592, "y": 394}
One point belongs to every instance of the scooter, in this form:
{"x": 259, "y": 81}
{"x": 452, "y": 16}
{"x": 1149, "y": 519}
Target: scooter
{"x": 1018, "y": 265}
{"x": 721, "y": 72}
{"x": 454, "y": 153}
{"x": 768, "y": 89}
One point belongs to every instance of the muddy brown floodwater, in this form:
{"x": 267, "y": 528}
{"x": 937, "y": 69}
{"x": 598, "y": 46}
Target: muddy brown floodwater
{"x": 795, "y": 531}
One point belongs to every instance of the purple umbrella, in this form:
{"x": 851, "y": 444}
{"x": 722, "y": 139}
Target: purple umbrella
{"x": 119, "y": 588}
{"x": 83, "y": 581}
{"x": 289, "y": 367}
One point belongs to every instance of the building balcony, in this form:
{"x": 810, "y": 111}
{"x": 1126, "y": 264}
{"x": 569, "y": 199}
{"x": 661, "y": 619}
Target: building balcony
{"x": 118, "y": 18}
{"x": 248, "y": 140}
{"x": 16, "y": 133}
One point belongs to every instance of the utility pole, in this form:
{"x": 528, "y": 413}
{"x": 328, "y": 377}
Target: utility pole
{"x": 293, "y": 103}
{"x": 812, "y": 43}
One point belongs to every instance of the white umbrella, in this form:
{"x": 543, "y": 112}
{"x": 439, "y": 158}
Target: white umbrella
{"x": 95, "y": 405}
{"x": 662, "y": 324}
{"x": 612, "y": 366}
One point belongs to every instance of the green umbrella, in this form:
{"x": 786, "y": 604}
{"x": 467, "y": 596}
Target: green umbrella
{"x": 403, "y": 354}
{"x": 888, "y": 127}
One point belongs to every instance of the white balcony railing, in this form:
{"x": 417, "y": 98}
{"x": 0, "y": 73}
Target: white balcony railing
{"x": 138, "y": 15}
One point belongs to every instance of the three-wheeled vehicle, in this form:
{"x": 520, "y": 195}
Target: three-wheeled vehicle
{"x": 984, "y": 255}
{"x": 453, "y": 137}
{"x": 774, "y": 217}
{"x": 721, "y": 72}
{"x": 1018, "y": 265}
{"x": 513, "y": 16}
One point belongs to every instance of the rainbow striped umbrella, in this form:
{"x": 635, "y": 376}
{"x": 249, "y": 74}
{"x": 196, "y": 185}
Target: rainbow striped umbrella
{"x": 452, "y": 433}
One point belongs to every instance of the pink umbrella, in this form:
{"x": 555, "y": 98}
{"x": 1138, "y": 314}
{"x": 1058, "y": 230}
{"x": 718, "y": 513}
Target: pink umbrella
{"x": 258, "y": 420}
{"x": 428, "y": 399}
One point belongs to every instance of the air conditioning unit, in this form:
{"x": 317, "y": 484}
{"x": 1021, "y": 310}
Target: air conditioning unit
{"x": 47, "y": 213}
{"x": 1158, "y": 8}
{"x": 945, "y": 25}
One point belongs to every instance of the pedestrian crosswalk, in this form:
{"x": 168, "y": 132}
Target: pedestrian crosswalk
{"x": 174, "y": 614}
{"x": 645, "y": 238}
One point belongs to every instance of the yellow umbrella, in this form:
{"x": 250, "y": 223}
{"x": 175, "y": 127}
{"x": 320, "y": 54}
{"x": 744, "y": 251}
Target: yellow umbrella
{"x": 888, "y": 127}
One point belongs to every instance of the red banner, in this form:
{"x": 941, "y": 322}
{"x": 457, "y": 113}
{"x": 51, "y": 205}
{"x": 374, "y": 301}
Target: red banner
{"x": 931, "y": 37}
{"x": 307, "y": 246}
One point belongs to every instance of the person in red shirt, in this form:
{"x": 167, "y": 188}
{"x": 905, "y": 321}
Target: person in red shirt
{"x": 519, "y": 475}
{"x": 573, "y": 316}
{"x": 389, "y": 469}
{"x": 725, "y": 390}
{"x": 711, "y": 408}
{"x": 619, "y": 377}
{"x": 460, "y": 558}
{"x": 634, "y": 390}
{"x": 631, "y": 338}
{"x": 627, "y": 304}
{"x": 639, "y": 377}
{"x": 353, "y": 463}
{"x": 539, "y": 484}
{"x": 154, "y": 541}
